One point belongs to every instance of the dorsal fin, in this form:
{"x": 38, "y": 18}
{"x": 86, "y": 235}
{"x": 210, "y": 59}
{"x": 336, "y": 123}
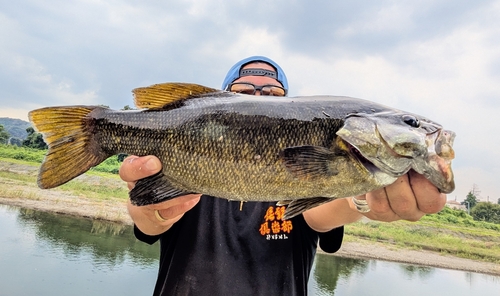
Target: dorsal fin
{"x": 160, "y": 95}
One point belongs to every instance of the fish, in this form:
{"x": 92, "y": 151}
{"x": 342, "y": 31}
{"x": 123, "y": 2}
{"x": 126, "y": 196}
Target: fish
{"x": 298, "y": 151}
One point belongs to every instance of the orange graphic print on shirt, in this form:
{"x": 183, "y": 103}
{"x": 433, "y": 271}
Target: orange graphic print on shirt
{"x": 274, "y": 227}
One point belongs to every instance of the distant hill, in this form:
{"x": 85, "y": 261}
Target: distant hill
{"x": 15, "y": 127}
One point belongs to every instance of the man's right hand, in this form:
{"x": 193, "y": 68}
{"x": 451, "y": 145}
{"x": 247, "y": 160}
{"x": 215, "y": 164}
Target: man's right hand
{"x": 144, "y": 217}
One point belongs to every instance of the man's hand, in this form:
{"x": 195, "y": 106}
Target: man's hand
{"x": 170, "y": 211}
{"x": 409, "y": 198}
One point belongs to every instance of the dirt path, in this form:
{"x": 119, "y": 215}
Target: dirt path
{"x": 380, "y": 251}
{"x": 54, "y": 200}
{"x": 18, "y": 193}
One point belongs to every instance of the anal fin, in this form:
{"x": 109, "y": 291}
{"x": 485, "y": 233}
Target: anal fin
{"x": 297, "y": 207}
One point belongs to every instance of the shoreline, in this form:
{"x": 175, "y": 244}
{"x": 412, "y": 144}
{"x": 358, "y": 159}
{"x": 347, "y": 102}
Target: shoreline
{"x": 115, "y": 210}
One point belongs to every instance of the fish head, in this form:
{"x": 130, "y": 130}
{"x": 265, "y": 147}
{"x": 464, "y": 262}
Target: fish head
{"x": 393, "y": 142}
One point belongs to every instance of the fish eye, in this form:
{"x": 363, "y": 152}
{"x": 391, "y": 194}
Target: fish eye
{"x": 411, "y": 121}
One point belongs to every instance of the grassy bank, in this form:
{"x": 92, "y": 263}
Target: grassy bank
{"x": 93, "y": 184}
{"x": 450, "y": 231}
{"x": 470, "y": 242}
{"x": 36, "y": 156}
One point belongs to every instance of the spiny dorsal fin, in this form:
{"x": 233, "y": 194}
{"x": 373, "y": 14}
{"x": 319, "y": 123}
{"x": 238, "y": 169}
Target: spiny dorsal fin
{"x": 160, "y": 95}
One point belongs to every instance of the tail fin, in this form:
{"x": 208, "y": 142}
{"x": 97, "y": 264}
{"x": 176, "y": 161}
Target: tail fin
{"x": 68, "y": 131}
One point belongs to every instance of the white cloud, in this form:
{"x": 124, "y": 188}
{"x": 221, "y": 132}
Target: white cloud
{"x": 395, "y": 17}
{"x": 41, "y": 85}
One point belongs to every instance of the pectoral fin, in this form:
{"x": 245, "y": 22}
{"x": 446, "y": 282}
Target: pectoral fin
{"x": 306, "y": 162}
{"x": 154, "y": 189}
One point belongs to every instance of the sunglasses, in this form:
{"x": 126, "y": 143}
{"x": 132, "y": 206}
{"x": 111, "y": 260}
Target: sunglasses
{"x": 250, "y": 89}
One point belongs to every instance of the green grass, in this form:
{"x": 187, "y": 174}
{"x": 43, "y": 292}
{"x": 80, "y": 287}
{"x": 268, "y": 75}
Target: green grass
{"x": 480, "y": 241}
{"x": 110, "y": 165}
{"x": 99, "y": 191}
{"x": 16, "y": 193}
{"x": 107, "y": 186}
{"x": 24, "y": 178}
{"x": 22, "y": 153}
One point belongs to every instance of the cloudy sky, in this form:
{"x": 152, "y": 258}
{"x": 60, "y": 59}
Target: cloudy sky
{"x": 438, "y": 58}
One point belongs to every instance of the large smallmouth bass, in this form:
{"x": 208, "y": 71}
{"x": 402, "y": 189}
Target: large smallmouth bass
{"x": 303, "y": 151}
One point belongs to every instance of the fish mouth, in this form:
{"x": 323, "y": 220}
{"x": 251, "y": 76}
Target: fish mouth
{"x": 444, "y": 144}
{"x": 440, "y": 157}
{"x": 368, "y": 165}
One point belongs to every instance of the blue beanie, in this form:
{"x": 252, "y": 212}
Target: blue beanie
{"x": 234, "y": 72}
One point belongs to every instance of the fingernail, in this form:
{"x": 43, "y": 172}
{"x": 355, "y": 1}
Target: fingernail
{"x": 151, "y": 165}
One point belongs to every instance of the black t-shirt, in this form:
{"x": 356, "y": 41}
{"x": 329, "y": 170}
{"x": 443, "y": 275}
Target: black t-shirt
{"x": 218, "y": 249}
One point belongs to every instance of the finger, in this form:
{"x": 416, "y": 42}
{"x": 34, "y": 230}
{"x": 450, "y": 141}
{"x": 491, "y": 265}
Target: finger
{"x": 131, "y": 185}
{"x": 402, "y": 199}
{"x": 174, "y": 201}
{"x": 429, "y": 199}
{"x": 380, "y": 208}
{"x": 176, "y": 207}
{"x": 123, "y": 169}
{"x": 134, "y": 168}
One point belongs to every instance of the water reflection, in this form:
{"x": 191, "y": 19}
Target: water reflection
{"x": 422, "y": 272}
{"x": 64, "y": 255}
{"x": 329, "y": 269}
{"x": 107, "y": 243}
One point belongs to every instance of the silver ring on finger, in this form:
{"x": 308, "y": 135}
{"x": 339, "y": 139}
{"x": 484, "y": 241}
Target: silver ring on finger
{"x": 361, "y": 205}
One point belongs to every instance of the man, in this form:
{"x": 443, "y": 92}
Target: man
{"x": 211, "y": 246}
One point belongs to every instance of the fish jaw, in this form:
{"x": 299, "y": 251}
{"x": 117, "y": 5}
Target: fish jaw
{"x": 437, "y": 168}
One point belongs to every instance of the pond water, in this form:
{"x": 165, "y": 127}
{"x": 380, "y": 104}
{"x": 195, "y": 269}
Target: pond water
{"x": 49, "y": 254}
{"x": 343, "y": 276}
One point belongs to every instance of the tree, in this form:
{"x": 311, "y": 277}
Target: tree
{"x": 471, "y": 200}
{"x": 4, "y": 135}
{"x": 486, "y": 211}
{"x": 127, "y": 107}
{"x": 498, "y": 201}
{"x": 475, "y": 191}
{"x": 34, "y": 140}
